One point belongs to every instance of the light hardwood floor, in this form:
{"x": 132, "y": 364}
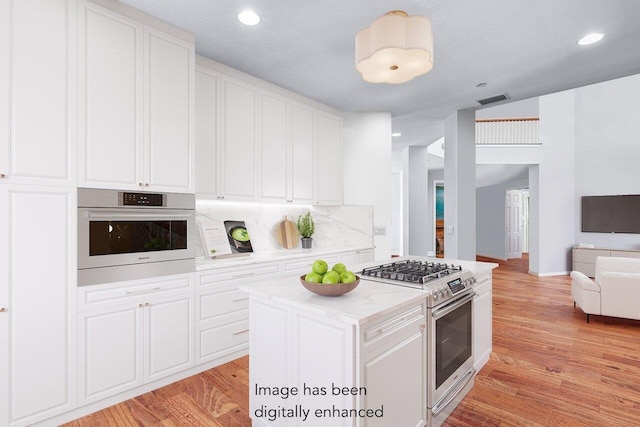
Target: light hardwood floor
{"x": 548, "y": 368}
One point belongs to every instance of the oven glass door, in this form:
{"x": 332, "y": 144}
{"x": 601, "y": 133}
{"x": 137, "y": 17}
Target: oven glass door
{"x": 453, "y": 340}
{"x": 108, "y": 237}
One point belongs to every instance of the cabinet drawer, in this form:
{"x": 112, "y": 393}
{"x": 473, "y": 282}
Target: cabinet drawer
{"x": 626, "y": 254}
{"x": 408, "y": 320}
{"x": 225, "y": 300}
{"x": 225, "y": 339}
{"x": 108, "y": 294}
{"x": 237, "y": 274}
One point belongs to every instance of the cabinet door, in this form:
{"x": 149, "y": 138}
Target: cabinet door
{"x": 169, "y": 336}
{"x": 329, "y": 161}
{"x": 302, "y": 165}
{"x": 111, "y": 351}
{"x": 238, "y": 140}
{"x": 482, "y": 325}
{"x": 38, "y": 84}
{"x": 169, "y": 76}
{"x": 206, "y": 133}
{"x": 37, "y": 298}
{"x": 110, "y": 148}
{"x": 274, "y": 161}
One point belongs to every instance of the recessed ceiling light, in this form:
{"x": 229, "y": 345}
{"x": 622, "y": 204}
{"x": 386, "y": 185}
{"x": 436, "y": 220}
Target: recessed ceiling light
{"x": 248, "y": 17}
{"x": 590, "y": 39}
{"x": 396, "y": 134}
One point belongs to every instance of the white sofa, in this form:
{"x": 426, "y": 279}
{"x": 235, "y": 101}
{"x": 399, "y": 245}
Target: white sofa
{"x": 614, "y": 292}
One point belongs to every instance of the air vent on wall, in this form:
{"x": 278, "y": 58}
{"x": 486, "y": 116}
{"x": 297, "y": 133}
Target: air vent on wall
{"x": 493, "y": 99}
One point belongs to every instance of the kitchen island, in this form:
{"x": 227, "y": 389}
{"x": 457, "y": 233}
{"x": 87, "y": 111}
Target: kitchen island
{"x": 341, "y": 361}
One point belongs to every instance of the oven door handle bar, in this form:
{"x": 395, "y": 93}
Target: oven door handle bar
{"x": 451, "y": 395}
{"x": 448, "y": 308}
{"x": 130, "y": 215}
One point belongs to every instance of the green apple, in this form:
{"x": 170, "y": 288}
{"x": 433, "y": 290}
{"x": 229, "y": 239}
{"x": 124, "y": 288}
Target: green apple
{"x": 313, "y": 278}
{"x": 319, "y": 266}
{"x": 331, "y": 278}
{"x": 347, "y": 277}
{"x": 339, "y": 268}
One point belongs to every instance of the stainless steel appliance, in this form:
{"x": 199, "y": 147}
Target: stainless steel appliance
{"x": 126, "y": 235}
{"x": 449, "y": 293}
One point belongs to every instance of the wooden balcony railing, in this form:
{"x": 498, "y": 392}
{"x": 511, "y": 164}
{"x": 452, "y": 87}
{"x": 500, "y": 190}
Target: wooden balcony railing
{"x": 512, "y": 131}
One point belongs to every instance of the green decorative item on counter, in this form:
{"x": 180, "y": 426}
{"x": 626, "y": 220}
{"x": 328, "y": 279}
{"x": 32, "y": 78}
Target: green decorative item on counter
{"x": 306, "y": 229}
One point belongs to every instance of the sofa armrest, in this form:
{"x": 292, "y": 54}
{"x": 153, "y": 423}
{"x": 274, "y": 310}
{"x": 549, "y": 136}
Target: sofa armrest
{"x": 584, "y": 282}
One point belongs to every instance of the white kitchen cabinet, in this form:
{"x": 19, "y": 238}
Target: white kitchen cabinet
{"x": 131, "y": 333}
{"x": 37, "y": 302}
{"x": 303, "y": 265}
{"x": 482, "y": 321}
{"x": 328, "y": 161}
{"x": 239, "y": 140}
{"x": 302, "y": 142}
{"x": 135, "y": 90}
{"x": 207, "y": 125}
{"x": 395, "y": 344}
{"x": 275, "y": 170}
{"x": 296, "y": 347}
{"x": 222, "y": 311}
{"x": 38, "y": 89}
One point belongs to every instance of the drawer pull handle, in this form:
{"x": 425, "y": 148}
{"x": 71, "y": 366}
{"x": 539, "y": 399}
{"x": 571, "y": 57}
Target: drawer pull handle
{"x": 237, "y": 276}
{"x": 241, "y": 332}
{"x": 3, "y": 309}
{"x": 144, "y": 291}
{"x": 241, "y": 299}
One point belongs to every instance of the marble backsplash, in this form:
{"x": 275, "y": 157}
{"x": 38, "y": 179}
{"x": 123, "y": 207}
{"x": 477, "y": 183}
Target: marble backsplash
{"x": 335, "y": 226}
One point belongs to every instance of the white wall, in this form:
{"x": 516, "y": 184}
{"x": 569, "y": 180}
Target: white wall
{"x": 556, "y": 177}
{"x": 460, "y": 185}
{"x": 415, "y": 202}
{"x": 607, "y": 150}
{"x": 367, "y": 170}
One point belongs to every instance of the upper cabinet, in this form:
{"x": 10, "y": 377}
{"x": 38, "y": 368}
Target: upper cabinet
{"x": 136, "y": 88}
{"x": 38, "y": 92}
{"x": 257, "y": 142}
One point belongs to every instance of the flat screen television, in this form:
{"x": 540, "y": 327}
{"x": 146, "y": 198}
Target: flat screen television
{"x": 611, "y": 214}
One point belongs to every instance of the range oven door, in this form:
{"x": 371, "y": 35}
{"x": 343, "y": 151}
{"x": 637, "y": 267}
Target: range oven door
{"x": 110, "y": 237}
{"x": 450, "y": 352}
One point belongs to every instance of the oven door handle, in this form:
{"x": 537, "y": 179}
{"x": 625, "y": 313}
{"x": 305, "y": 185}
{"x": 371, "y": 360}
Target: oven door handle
{"x": 448, "y": 308}
{"x": 115, "y": 215}
{"x": 438, "y": 407}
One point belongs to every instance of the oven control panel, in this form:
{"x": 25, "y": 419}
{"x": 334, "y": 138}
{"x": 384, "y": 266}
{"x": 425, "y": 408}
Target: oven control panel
{"x": 447, "y": 287}
{"x": 142, "y": 199}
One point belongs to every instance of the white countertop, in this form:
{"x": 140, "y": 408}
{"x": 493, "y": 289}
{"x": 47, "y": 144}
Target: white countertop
{"x": 366, "y": 302}
{"x": 275, "y": 255}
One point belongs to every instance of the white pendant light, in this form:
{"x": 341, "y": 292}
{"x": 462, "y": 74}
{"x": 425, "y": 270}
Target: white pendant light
{"x": 395, "y": 48}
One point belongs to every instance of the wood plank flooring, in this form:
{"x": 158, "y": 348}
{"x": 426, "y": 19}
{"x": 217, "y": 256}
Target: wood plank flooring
{"x": 548, "y": 368}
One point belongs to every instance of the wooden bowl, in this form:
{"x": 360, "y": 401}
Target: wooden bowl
{"x": 329, "y": 290}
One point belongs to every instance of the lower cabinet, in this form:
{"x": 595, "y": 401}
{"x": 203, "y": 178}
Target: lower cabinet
{"x": 482, "y": 321}
{"x": 222, "y": 311}
{"x": 132, "y": 333}
{"x": 357, "y": 257}
{"x": 382, "y": 364}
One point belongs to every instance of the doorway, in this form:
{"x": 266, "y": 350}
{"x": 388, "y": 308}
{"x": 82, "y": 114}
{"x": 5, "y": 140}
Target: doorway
{"x": 438, "y": 215}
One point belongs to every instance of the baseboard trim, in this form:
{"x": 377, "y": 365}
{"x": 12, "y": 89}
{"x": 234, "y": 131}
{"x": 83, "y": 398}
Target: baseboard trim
{"x": 557, "y": 273}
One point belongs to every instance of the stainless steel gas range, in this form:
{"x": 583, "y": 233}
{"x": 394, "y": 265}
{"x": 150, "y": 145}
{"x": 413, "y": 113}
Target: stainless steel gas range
{"x": 449, "y": 293}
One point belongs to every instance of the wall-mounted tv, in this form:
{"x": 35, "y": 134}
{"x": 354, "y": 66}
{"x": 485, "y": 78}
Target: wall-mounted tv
{"x": 611, "y": 214}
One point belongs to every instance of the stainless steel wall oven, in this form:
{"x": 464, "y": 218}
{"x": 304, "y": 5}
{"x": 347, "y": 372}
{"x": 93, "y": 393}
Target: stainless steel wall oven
{"x": 127, "y": 235}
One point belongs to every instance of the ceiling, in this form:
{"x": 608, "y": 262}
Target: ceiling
{"x": 521, "y": 47}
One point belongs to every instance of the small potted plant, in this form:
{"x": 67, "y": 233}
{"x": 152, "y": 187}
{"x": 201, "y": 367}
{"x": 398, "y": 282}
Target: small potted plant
{"x": 306, "y": 229}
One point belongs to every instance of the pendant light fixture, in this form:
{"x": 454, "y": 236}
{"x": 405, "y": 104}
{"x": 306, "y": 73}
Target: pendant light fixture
{"x": 395, "y": 48}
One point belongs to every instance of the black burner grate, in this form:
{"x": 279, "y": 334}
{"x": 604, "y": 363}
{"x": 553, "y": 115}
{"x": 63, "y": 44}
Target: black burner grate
{"x": 411, "y": 271}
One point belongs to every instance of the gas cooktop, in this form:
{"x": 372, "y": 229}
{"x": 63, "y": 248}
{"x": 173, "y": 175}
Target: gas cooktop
{"x": 441, "y": 281}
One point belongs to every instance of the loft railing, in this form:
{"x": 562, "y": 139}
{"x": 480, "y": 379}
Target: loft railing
{"x": 516, "y": 131}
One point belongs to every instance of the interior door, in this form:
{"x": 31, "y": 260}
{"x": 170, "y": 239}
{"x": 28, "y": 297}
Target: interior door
{"x": 514, "y": 224}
